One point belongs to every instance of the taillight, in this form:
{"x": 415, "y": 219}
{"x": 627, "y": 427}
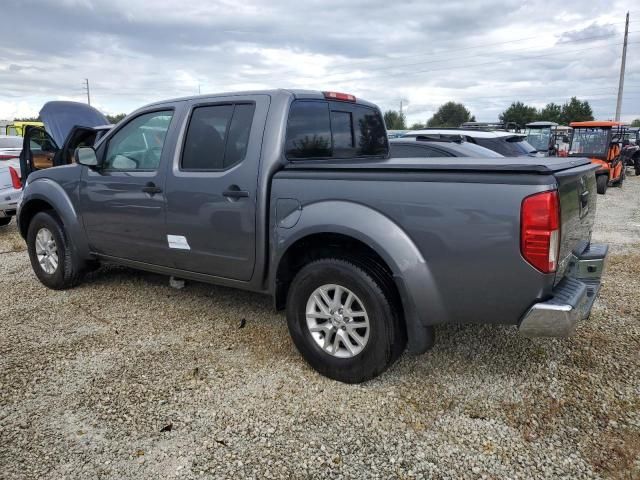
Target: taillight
{"x": 15, "y": 178}
{"x": 345, "y": 97}
{"x": 4, "y": 156}
{"x": 540, "y": 230}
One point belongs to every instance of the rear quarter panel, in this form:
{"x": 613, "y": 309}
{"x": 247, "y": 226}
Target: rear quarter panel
{"x": 465, "y": 225}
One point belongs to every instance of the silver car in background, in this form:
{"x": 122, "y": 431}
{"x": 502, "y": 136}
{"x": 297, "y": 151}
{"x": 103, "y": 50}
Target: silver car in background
{"x": 10, "y": 186}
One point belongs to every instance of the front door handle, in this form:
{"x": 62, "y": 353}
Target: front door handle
{"x": 151, "y": 188}
{"x": 234, "y": 192}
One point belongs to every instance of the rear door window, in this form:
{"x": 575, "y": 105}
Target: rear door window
{"x": 217, "y": 136}
{"x": 320, "y": 129}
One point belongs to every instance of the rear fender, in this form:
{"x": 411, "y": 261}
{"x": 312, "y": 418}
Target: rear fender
{"x": 46, "y": 190}
{"x": 421, "y": 300}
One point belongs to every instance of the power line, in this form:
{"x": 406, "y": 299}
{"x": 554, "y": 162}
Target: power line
{"x": 466, "y": 66}
{"x": 442, "y": 52}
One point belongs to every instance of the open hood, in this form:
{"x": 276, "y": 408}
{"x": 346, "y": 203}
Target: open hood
{"x": 59, "y": 117}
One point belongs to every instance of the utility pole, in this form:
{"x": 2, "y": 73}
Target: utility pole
{"x": 86, "y": 86}
{"x": 622, "y": 65}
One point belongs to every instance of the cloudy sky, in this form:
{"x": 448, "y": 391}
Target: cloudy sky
{"x": 485, "y": 54}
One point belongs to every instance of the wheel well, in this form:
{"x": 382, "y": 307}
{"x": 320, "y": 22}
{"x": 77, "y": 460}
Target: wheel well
{"x": 323, "y": 245}
{"x": 28, "y": 211}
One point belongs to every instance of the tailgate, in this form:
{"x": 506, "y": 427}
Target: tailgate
{"x": 577, "y": 192}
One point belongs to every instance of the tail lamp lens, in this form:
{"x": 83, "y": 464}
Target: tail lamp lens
{"x": 540, "y": 230}
{"x": 15, "y": 178}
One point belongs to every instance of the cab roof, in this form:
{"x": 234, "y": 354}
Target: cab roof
{"x": 596, "y": 123}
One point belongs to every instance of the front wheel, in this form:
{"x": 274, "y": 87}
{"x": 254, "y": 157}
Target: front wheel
{"x": 602, "y": 182}
{"x": 50, "y": 254}
{"x": 344, "y": 323}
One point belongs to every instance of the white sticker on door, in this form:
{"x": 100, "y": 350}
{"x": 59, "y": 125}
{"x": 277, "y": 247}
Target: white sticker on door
{"x": 178, "y": 241}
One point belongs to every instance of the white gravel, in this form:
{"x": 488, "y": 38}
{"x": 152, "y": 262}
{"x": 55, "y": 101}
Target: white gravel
{"x": 90, "y": 378}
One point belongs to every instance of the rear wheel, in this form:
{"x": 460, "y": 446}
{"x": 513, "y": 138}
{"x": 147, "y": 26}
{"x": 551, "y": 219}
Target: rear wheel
{"x": 5, "y": 221}
{"x": 50, "y": 254}
{"x": 602, "y": 183}
{"x": 345, "y": 324}
{"x": 636, "y": 165}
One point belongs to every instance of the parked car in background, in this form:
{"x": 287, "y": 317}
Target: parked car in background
{"x": 396, "y": 133}
{"x": 10, "y": 187}
{"x": 508, "y": 144}
{"x": 66, "y": 126}
{"x": 437, "y": 146}
{"x": 10, "y": 146}
{"x": 293, "y": 194}
{"x": 18, "y": 128}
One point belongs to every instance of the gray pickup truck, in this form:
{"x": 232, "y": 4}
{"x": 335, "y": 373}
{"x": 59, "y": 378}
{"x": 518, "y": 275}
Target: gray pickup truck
{"x": 293, "y": 194}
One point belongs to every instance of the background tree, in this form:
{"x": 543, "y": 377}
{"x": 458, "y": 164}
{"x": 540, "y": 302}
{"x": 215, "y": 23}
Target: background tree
{"x": 636, "y": 123}
{"x": 115, "y": 118}
{"x": 395, "y": 120}
{"x": 552, "y": 112}
{"x": 576, "y": 111}
{"x": 27, "y": 119}
{"x": 451, "y": 114}
{"x": 417, "y": 126}
{"x": 520, "y": 113}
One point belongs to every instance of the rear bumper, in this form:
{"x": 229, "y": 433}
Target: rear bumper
{"x": 572, "y": 297}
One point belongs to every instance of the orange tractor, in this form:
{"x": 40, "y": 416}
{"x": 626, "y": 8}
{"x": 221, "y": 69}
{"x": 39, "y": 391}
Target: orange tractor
{"x": 601, "y": 141}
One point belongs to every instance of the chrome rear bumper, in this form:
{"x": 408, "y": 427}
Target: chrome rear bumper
{"x": 572, "y": 298}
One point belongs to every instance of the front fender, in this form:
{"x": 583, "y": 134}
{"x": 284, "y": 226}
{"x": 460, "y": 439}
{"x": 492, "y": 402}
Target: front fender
{"x": 421, "y": 300}
{"x": 46, "y": 190}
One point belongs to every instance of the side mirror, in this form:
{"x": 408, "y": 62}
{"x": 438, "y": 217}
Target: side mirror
{"x": 86, "y": 156}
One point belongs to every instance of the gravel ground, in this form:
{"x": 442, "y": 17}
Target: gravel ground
{"x": 126, "y": 378}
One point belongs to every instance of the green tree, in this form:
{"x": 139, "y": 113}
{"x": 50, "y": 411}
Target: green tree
{"x": 451, "y": 114}
{"x": 519, "y": 113}
{"x": 27, "y": 119}
{"x": 395, "y": 120}
{"x": 552, "y": 112}
{"x": 417, "y": 126}
{"x": 576, "y": 111}
{"x": 636, "y": 123}
{"x": 115, "y": 118}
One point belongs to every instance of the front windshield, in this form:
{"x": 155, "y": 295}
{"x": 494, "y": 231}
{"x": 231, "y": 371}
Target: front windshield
{"x": 539, "y": 138}
{"x": 589, "y": 141}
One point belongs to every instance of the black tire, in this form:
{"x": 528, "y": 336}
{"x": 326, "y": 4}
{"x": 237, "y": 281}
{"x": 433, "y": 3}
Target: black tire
{"x": 4, "y": 221}
{"x": 68, "y": 271}
{"x": 387, "y": 335}
{"x": 602, "y": 182}
{"x": 636, "y": 166}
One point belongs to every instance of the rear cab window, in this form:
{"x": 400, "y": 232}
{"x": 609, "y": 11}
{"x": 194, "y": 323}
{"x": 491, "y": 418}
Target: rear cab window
{"x": 320, "y": 129}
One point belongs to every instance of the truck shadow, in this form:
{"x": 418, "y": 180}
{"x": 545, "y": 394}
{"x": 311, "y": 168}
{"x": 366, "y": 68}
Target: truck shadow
{"x": 492, "y": 349}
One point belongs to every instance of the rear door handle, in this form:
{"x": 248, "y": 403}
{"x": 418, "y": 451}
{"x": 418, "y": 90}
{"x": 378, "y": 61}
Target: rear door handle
{"x": 151, "y": 188}
{"x": 234, "y": 192}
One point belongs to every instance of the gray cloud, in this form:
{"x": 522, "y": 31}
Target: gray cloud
{"x": 485, "y": 54}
